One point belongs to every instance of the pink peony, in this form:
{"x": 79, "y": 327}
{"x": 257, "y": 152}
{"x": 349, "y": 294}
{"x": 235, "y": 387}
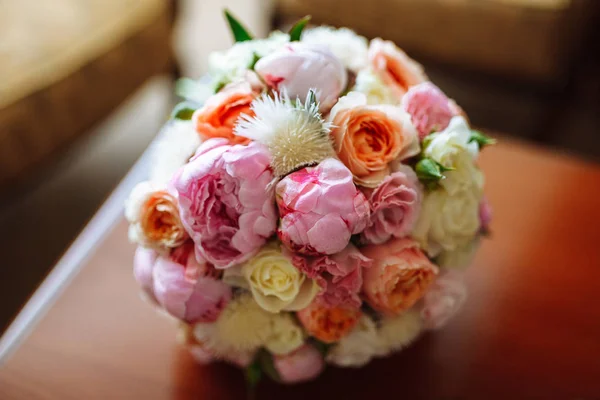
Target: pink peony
{"x": 188, "y": 289}
{"x": 429, "y": 108}
{"x": 394, "y": 67}
{"x": 444, "y": 298}
{"x": 143, "y": 268}
{"x": 339, "y": 275}
{"x": 225, "y": 201}
{"x": 299, "y": 67}
{"x": 400, "y": 276}
{"x": 320, "y": 208}
{"x": 301, "y": 365}
{"x": 395, "y": 206}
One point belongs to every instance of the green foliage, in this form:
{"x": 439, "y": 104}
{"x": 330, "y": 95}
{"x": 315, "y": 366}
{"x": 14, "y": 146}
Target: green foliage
{"x": 430, "y": 172}
{"x": 296, "y": 31}
{"x": 184, "y": 110}
{"x": 481, "y": 139}
{"x": 239, "y": 33}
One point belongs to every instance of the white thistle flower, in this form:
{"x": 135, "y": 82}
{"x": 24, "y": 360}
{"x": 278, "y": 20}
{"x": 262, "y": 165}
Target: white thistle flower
{"x": 296, "y": 134}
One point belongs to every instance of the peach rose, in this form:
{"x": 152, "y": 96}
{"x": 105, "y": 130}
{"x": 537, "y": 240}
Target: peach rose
{"x": 394, "y": 67}
{"x": 367, "y": 138}
{"x": 399, "y": 277}
{"x": 154, "y": 217}
{"x": 221, "y": 112}
{"x": 328, "y": 324}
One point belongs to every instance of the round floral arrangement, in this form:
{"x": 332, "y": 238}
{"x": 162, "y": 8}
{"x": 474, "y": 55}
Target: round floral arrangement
{"x": 313, "y": 201}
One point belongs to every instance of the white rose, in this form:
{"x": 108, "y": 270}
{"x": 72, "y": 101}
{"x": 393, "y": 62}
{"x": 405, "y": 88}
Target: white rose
{"x": 368, "y": 83}
{"x": 448, "y": 221}
{"x": 460, "y": 258}
{"x": 452, "y": 149}
{"x": 357, "y": 348}
{"x": 233, "y": 62}
{"x": 276, "y": 284}
{"x": 178, "y": 142}
{"x": 345, "y": 44}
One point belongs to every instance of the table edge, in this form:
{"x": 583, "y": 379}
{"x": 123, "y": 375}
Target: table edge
{"x": 73, "y": 260}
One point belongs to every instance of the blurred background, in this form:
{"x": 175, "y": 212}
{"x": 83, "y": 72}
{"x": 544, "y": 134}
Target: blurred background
{"x": 86, "y": 84}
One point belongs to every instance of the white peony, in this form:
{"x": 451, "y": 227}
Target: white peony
{"x": 358, "y": 347}
{"x": 368, "y": 83}
{"x": 344, "y": 43}
{"x": 178, "y": 142}
{"x": 452, "y": 149}
{"x": 230, "y": 64}
{"x": 448, "y": 221}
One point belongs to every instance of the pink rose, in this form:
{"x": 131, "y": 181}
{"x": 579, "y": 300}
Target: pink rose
{"x": 299, "y": 67}
{"x": 226, "y": 201}
{"x": 485, "y": 215}
{"x": 394, "y": 67}
{"x": 301, "y": 365}
{"x": 187, "y": 289}
{"x": 399, "y": 277}
{"x": 143, "y": 268}
{"x": 395, "y": 206}
{"x": 339, "y": 275}
{"x": 429, "y": 108}
{"x": 443, "y": 300}
{"x": 320, "y": 208}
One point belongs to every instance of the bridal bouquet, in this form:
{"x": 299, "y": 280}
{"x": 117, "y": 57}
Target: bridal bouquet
{"x": 313, "y": 201}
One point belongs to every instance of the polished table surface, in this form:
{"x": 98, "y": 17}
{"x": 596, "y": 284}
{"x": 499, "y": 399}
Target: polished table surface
{"x": 530, "y": 328}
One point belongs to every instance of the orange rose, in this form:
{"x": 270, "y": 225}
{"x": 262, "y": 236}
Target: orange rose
{"x": 399, "y": 277}
{"x": 328, "y": 324}
{"x": 154, "y": 218}
{"x": 394, "y": 67}
{"x": 221, "y": 112}
{"x": 368, "y": 138}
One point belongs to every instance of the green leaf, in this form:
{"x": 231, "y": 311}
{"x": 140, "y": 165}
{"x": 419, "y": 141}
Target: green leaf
{"x": 428, "y": 170}
{"x": 239, "y": 33}
{"x": 322, "y": 347}
{"x": 184, "y": 110}
{"x": 296, "y": 31}
{"x": 253, "y": 375}
{"x": 255, "y": 58}
{"x": 443, "y": 168}
{"x": 426, "y": 141}
{"x": 265, "y": 361}
{"x": 481, "y": 139}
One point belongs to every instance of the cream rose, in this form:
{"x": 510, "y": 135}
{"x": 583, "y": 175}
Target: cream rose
{"x": 371, "y": 85}
{"x": 275, "y": 283}
{"x": 358, "y": 348}
{"x": 448, "y": 221}
{"x": 461, "y": 258}
{"x": 452, "y": 149}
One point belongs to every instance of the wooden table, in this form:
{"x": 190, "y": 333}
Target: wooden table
{"x": 530, "y": 329}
